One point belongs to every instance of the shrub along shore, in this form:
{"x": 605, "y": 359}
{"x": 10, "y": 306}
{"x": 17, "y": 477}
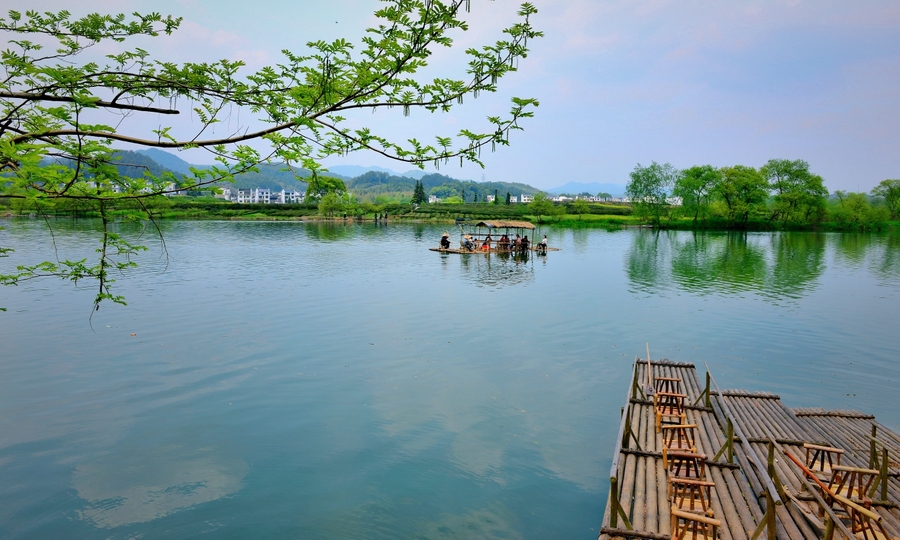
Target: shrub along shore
{"x": 571, "y": 215}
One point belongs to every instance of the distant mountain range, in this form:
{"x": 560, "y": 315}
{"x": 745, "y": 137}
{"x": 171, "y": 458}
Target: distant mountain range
{"x": 364, "y": 182}
{"x": 574, "y": 188}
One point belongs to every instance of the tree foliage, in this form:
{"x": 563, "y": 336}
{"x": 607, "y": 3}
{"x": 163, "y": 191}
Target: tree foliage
{"x": 799, "y": 196}
{"x": 695, "y": 187}
{"x": 419, "y": 196}
{"x": 581, "y": 207}
{"x": 648, "y": 189}
{"x": 889, "y": 191}
{"x": 60, "y": 117}
{"x": 542, "y": 206}
{"x": 742, "y": 189}
{"x": 854, "y": 211}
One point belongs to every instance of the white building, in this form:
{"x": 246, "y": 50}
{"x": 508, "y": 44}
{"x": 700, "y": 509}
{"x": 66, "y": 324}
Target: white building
{"x": 490, "y": 198}
{"x": 434, "y": 199}
{"x": 527, "y": 198}
{"x": 513, "y": 199}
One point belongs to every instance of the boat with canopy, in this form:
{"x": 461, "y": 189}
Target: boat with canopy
{"x": 494, "y": 236}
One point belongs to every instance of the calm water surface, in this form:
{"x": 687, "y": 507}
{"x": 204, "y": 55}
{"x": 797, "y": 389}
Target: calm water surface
{"x": 293, "y": 380}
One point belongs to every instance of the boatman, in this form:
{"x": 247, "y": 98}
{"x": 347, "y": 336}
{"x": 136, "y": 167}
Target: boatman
{"x": 445, "y": 241}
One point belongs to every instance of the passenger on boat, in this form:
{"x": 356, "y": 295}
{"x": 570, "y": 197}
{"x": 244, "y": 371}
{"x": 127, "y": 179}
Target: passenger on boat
{"x": 544, "y": 244}
{"x": 486, "y": 245}
{"x": 518, "y": 245}
{"x": 445, "y": 241}
{"x": 503, "y": 243}
{"x": 468, "y": 243}
{"x": 525, "y": 243}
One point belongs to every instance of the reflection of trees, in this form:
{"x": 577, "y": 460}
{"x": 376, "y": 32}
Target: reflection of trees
{"x": 644, "y": 261}
{"x": 328, "y": 231}
{"x": 783, "y": 264}
{"x": 798, "y": 259}
{"x": 718, "y": 263}
{"x": 498, "y": 269}
{"x": 851, "y": 247}
{"x": 886, "y": 261}
{"x": 580, "y": 239}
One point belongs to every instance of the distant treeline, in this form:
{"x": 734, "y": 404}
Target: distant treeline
{"x": 780, "y": 194}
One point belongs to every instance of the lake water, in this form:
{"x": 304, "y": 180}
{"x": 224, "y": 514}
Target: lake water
{"x": 287, "y": 380}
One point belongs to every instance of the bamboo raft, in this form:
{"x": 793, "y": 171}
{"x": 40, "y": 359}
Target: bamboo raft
{"x": 488, "y": 251}
{"x": 695, "y": 462}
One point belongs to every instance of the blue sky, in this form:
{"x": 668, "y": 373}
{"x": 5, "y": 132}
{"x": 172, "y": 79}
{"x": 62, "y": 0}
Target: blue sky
{"x": 620, "y": 82}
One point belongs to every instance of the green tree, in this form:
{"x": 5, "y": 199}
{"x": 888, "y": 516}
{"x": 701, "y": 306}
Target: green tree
{"x": 581, "y": 207}
{"x": 62, "y": 116}
{"x": 496, "y": 198}
{"x": 542, "y": 206}
{"x": 695, "y": 187}
{"x": 419, "y": 196}
{"x": 889, "y": 191}
{"x": 648, "y": 188}
{"x": 743, "y": 190}
{"x": 330, "y": 204}
{"x": 854, "y": 211}
{"x": 319, "y": 186}
{"x": 604, "y": 195}
{"x": 800, "y": 196}
{"x": 508, "y": 199}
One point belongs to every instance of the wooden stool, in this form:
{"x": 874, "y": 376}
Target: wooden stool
{"x": 687, "y": 525}
{"x": 691, "y": 495}
{"x": 685, "y": 464}
{"x": 852, "y": 482}
{"x": 821, "y": 459}
{"x": 667, "y": 384}
{"x": 679, "y": 437}
{"x": 668, "y": 405}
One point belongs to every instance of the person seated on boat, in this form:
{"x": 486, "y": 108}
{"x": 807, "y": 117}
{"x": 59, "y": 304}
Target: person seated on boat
{"x": 518, "y": 244}
{"x": 467, "y": 243}
{"x": 543, "y": 244}
{"x": 445, "y": 241}
{"x": 503, "y": 243}
{"x": 525, "y": 243}
{"x": 486, "y": 245}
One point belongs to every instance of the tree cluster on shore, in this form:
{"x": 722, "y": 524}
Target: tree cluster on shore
{"x": 782, "y": 193}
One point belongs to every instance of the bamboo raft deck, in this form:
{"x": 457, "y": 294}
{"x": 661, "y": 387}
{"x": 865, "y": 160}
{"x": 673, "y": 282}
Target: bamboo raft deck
{"x": 750, "y": 487}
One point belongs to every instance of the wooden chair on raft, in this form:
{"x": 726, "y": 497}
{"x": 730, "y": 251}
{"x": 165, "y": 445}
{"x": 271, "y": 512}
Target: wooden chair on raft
{"x": 682, "y": 464}
{"x": 667, "y": 384}
{"x": 691, "y": 495}
{"x": 669, "y": 406}
{"x": 691, "y": 526}
{"x": 848, "y": 494}
{"x": 822, "y": 459}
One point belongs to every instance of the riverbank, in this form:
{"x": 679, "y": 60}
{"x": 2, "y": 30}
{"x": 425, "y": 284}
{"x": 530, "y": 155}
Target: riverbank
{"x": 594, "y": 215}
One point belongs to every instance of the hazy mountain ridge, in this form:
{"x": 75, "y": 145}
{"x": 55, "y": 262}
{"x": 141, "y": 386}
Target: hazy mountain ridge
{"x": 370, "y": 183}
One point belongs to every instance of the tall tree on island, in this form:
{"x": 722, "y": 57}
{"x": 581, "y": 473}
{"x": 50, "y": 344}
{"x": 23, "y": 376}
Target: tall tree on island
{"x": 61, "y": 116}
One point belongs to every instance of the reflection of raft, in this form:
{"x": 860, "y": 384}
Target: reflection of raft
{"x": 478, "y": 237}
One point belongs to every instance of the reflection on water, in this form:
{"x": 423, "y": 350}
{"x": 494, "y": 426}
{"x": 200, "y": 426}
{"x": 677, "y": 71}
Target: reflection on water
{"x": 498, "y": 269}
{"x": 126, "y": 488}
{"x": 775, "y": 266}
{"x": 331, "y": 380}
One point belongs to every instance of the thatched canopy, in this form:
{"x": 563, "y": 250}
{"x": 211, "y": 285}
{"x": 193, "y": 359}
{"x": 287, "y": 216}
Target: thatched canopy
{"x": 496, "y": 223}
